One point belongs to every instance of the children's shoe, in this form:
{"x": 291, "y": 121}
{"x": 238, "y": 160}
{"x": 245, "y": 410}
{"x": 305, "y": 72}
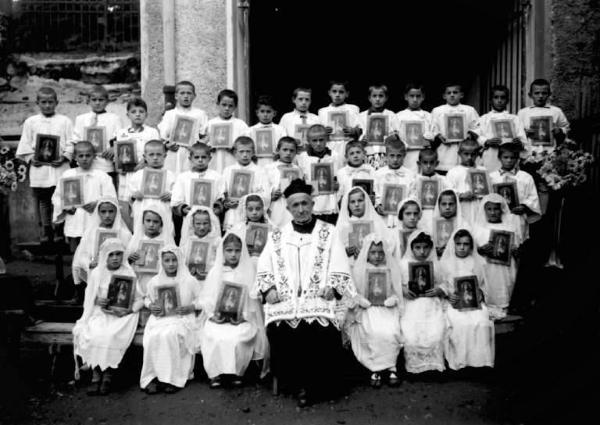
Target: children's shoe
{"x": 376, "y": 380}
{"x": 93, "y": 389}
{"x": 170, "y": 389}
{"x": 237, "y": 381}
{"x": 393, "y": 380}
{"x": 152, "y": 388}
{"x": 215, "y": 383}
{"x": 106, "y": 381}
{"x": 303, "y": 398}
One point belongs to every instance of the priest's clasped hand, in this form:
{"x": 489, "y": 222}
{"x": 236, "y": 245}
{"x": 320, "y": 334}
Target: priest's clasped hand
{"x": 326, "y": 293}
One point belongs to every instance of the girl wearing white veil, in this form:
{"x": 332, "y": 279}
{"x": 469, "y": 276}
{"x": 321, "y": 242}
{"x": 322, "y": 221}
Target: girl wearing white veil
{"x": 423, "y": 323}
{"x": 102, "y": 334}
{"x": 374, "y": 325}
{"x": 228, "y": 344}
{"x": 409, "y": 221}
{"x": 447, "y": 217}
{"x": 252, "y": 209}
{"x": 170, "y": 341}
{"x": 200, "y": 224}
{"x": 471, "y": 333}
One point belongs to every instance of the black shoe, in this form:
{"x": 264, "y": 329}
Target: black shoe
{"x": 303, "y": 399}
{"x": 152, "y": 388}
{"x": 237, "y": 381}
{"x": 170, "y": 389}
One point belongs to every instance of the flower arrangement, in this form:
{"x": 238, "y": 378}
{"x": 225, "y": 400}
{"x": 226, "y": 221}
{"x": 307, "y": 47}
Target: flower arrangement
{"x": 12, "y": 170}
{"x": 564, "y": 167}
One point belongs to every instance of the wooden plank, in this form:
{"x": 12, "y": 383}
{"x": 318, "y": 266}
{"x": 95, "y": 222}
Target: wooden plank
{"x": 60, "y": 333}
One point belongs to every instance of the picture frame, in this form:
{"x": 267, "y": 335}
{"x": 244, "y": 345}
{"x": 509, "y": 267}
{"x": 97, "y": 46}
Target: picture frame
{"x": 167, "y": 296}
{"x": 101, "y": 236}
{"x": 392, "y": 195}
{"x": 501, "y": 241}
{"x": 287, "y": 175}
{"x": 121, "y": 293}
{"x": 337, "y": 120}
{"x": 72, "y": 192}
{"x": 503, "y": 130}
{"x": 301, "y": 133}
{"x": 420, "y": 277}
{"x": 360, "y": 229}
{"x": 379, "y": 286}
{"x": 47, "y": 148}
{"x": 428, "y": 192}
{"x": 443, "y": 230}
{"x": 479, "y": 182}
{"x": 365, "y": 184}
{"x": 508, "y": 190}
{"x": 542, "y": 126}
{"x": 455, "y": 128}
{"x": 230, "y": 302}
{"x": 403, "y": 235}
{"x": 256, "y": 238}
{"x": 413, "y": 134}
{"x": 321, "y": 174}
{"x": 240, "y": 184}
{"x": 197, "y": 258}
{"x": 153, "y": 183}
{"x": 184, "y": 131}
{"x": 221, "y": 135}
{"x": 377, "y": 128}
{"x": 149, "y": 260}
{"x": 265, "y": 142}
{"x": 201, "y": 192}
{"x": 96, "y": 135}
{"x": 467, "y": 293}
{"x": 125, "y": 155}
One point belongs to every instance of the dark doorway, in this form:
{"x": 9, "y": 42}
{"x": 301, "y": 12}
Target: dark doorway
{"x": 309, "y": 42}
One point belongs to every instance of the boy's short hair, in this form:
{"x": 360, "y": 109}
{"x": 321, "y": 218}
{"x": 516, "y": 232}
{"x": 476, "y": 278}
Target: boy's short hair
{"x": 427, "y": 153}
{"x": 539, "y": 82}
{"x": 84, "y": 144}
{"x": 200, "y": 146}
{"x": 47, "y": 91}
{"x": 155, "y": 142}
{"x": 453, "y": 84}
{"x": 462, "y": 233}
{"x": 500, "y": 87}
{"x": 185, "y": 83}
{"x": 342, "y": 83}
{"x": 381, "y": 87}
{"x": 467, "y": 144}
{"x": 137, "y": 102}
{"x": 99, "y": 90}
{"x": 243, "y": 141}
{"x": 287, "y": 139}
{"x": 414, "y": 86}
{"x": 265, "y": 100}
{"x": 393, "y": 141}
{"x": 422, "y": 238}
{"x": 508, "y": 147}
{"x": 254, "y": 198}
{"x": 228, "y": 93}
{"x": 299, "y": 89}
{"x": 447, "y": 192}
{"x": 315, "y": 128}
{"x": 354, "y": 144}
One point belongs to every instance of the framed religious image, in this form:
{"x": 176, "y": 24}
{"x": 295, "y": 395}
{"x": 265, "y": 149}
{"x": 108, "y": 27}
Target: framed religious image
{"x": 501, "y": 242}
{"x": 443, "y": 230}
{"x": 149, "y": 259}
{"x": 430, "y": 188}
{"x": 121, "y": 290}
{"x": 240, "y": 184}
{"x": 198, "y": 258}
{"x": 287, "y": 174}
{"x": 230, "y": 303}
{"x": 201, "y": 192}
{"x": 47, "y": 148}
{"x": 479, "y": 182}
{"x": 455, "y": 128}
{"x": 503, "y": 130}
{"x": 413, "y": 134}
{"x": 364, "y": 184}
{"x": 265, "y": 145}
{"x": 167, "y": 296}
{"x": 220, "y": 135}
{"x": 420, "y": 277}
{"x": 393, "y": 194}
{"x": 321, "y": 174}
{"x": 508, "y": 190}
{"x": 256, "y": 238}
{"x": 466, "y": 291}
{"x": 378, "y": 286}
{"x": 183, "y": 132}
{"x": 542, "y": 127}
{"x": 72, "y": 192}
{"x": 101, "y": 236}
{"x": 97, "y": 137}
{"x": 377, "y": 125}
{"x": 360, "y": 229}
{"x": 153, "y": 183}
{"x": 125, "y": 155}
{"x": 337, "y": 120}
{"x": 404, "y": 235}
{"x": 301, "y": 133}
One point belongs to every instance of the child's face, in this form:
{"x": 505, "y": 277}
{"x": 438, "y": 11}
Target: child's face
{"x": 356, "y": 204}
{"x": 254, "y": 211}
{"x": 355, "y": 156}
{"x": 411, "y": 216}
{"x": 155, "y": 156}
{"x": 453, "y": 95}
{"x": 243, "y": 154}
{"x": 302, "y": 101}
{"x": 493, "y": 212}
{"x": 152, "y": 224}
{"x": 447, "y": 206}
{"x": 184, "y": 95}
{"x": 376, "y": 254}
{"x": 395, "y": 158}
{"x": 508, "y": 160}
{"x": 107, "y": 213}
{"x": 47, "y": 104}
{"x": 199, "y": 158}
{"x": 169, "y": 263}
{"x": 539, "y": 94}
{"x": 137, "y": 115}
{"x": 98, "y": 102}
{"x": 84, "y": 156}
{"x": 265, "y": 114}
{"x": 226, "y": 107}
{"x": 427, "y": 165}
{"x": 463, "y": 246}
{"x": 467, "y": 156}
{"x": 114, "y": 260}
{"x": 499, "y": 100}
{"x": 201, "y": 224}
{"x": 377, "y": 98}
{"x": 318, "y": 141}
{"x": 338, "y": 94}
{"x": 414, "y": 98}
{"x": 421, "y": 250}
{"x": 287, "y": 152}
{"x": 232, "y": 253}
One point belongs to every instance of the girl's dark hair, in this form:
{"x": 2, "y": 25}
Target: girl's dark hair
{"x": 406, "y": 204}
{"x": 462, "y": 233}
{"x": 232, "y": 238}
{"x": 422, "y": 238}
{"x": 198, "y": 212}
{"x": 255, "y": 198}
{"x": 447, "y": 193}
{"x": 153, "y": 212}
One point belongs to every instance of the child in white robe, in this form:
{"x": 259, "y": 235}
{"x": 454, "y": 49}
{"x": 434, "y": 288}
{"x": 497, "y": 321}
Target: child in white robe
{"x": 170, "y": 340}
{"x": 355, "y": 168}
{"x": 252, "y": 210}
{"x": 102, "y": 334}
{"x": 265, "y": 112}
{"x": 373, "y": 320}
{"x": 471, "y": 333}
{"x": 200, "y": 225}
{"x": 447, "y": 218}
{"x": 409, "y": 217}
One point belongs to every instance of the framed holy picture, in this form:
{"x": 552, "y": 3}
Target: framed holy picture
{"x": 480, "y": 185}
{"x": 420, "y": 277}
{"x": 364, "y": 184}
{"x": 121, "y": 290}
{"x": 201, "y": 192}
{"x": 256, "y": 238}
{"x": 377, "y": 125}
{"x": 501, "y": 242}
{"x": 153, "y": 183}
{"x": 360, "y": 229}
{"x": 240, "y": 184}
{"x": 503, "y": 129}
{"x": 47, "y": 148}
{"x": 97, "y": 137}
{"x": 413, "y": 134}
{"x": 198, "y": 258}
{"x": 321, "y": 174}
{"x": 265, "y": 144}
{"x": 337, "y": 120}
{"x": 542, "y": 127}
{"x": 101, "y": 236}
{"x": 430, "y": 188}
{"x": 404, "y": 235}
{"x": 443, "y": 230}
{"x": 167, "y": 296}
{"x": 287, "y": 175}
{"x": 230, "y": 302}
{"x": 125, "y": 155}
{"x": 508, "y": 190}
{"x": 149, "y": 259}
{"x": 221, "y": 135}
{"x": 72, "y": 192}
{"x": 393, "y": 194}
{"x": 378, "y": 286}
{"x": 466, "y": 291}
{"x": 455, "y": 128}
{"x": 301, "y": 132}
{"x": 183, "y": 132}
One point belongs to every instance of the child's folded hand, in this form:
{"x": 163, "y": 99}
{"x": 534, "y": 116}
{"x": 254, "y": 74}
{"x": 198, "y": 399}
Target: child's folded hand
{"x": 231, "y": 203}
{"x": 486, "y": 249}
{"x": 90, "y": 207}
{"x": 133, "y": 257}
{"x": 59, "y": 162}
{"x": 351, "y": 251}
{"x": 35, "y": 163}
{"x": 171, "y": 146}
{"x": 184, "y": 309}
{"x": 70, "y": 211}
{"x": 108, "y": 154}
{"x": 101, "y": 302}
{"x": 93, "y": 264}
{"x": 453, "y": 298}
{"x": 408, "y": 294}
{"x": 435, "y": 292}
{"x": 165, "y": 197}
{"x": 328, "y": 129}
{"x": 275, "y": 195}
{"x": 155, "y": 309}
{"x": 519, "y": 210}
{"x": 363, "y": 302}
{"x": 466, "y": 196}
{"x": 379, "y": 209}
{"x": 493, "y": 142}
{"x": 391, "y": 301}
